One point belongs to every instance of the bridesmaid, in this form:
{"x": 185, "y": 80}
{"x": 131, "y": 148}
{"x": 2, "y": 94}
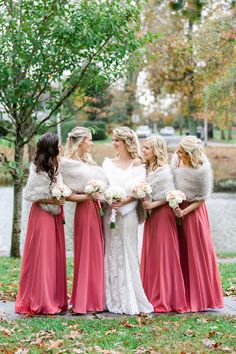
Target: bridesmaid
{"x": 43, "y": 272}
{"x": 78, "y": 168}
{"x": 160, "y": 263}
{"x": 193, "y": 175}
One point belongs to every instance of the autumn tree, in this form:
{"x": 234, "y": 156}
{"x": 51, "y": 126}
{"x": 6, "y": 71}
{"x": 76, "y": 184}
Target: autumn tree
{"x": 90, "y": 41}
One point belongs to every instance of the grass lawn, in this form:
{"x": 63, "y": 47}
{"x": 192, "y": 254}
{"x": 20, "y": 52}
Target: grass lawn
{"x": 139, "y": 334}
{"x": 10, "y": 270}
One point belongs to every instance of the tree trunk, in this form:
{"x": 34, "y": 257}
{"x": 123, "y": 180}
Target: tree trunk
{"x": 222, "y": 134}
{"x": 230, "y": 133}
{"x": 17, "y": 204}
{"x": 130, "y": 91}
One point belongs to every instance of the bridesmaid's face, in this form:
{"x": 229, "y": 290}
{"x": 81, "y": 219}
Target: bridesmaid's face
{"x": 183, "y": 155}
{"x": 118, "y": 144}
{"x": 148, "y": 153}
{"x": 87, "y": 144}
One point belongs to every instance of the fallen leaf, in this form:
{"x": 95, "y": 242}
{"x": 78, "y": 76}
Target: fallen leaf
{"x": 53, "y": 344}
{"x": 110, "y": 332}
{"x": 208, "y": 343}
{"x": 127, "y": 324}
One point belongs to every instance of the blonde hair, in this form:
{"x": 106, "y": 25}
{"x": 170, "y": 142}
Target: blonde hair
{"x": 130, "y": 139}
{"x": 193, "y": 147}
{"x": 159, "y": 149}
{"x": 75, "y": 138}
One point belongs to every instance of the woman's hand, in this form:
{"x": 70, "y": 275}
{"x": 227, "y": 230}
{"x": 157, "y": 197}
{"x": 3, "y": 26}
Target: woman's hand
{"x": 95, "y": 195}
{"x": 116, "y": 204}
{"x": 179, "y": 213}
{"x": 147, "y": 205}
{"x": 52, "y": 201}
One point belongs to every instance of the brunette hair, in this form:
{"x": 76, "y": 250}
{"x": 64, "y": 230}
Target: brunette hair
{"x": 47, "y": 150}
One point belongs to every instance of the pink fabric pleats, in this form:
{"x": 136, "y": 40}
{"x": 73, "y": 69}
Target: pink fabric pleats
{"x": 198, "y": 261}
{"x": 160, "y": 263}
{"x": 43, "y": 287}
{"x": 88, "y": 293}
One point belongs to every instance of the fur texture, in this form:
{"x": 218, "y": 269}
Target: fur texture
{"x": 39, "y": 187}
{"x": 77, "y": 174}
{"x": 161, "y": 181}
{"x": 196, "y": 183}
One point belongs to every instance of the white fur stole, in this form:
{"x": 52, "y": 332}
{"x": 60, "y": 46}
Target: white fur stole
{"x": 196, "y": 183}
{"x": 161, "y": 181}
{"x": 76, "y": 174}
{"x": 126, "y": 178}
{"x": 39, "y": 187}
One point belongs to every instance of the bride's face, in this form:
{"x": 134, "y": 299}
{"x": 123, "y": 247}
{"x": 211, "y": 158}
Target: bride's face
{"x": 118, "y": 144}
{"x": 148, "y": 153}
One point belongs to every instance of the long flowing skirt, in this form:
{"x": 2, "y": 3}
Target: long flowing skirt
{"x": 124, "y": 291}
{"x": 198, "y": 261}
{"x": 43, "y": 287}
{"x": 88, "y": 293}
{"x": 160, "y": 262}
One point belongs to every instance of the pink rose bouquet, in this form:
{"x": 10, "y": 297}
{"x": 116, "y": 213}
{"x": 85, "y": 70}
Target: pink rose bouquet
{"x": 96, "y": 186}
{"x": 61, "y": 190}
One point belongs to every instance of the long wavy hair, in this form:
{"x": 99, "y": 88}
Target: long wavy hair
{"x": 75, "y": 138}
{"x": 194, "y": 148}
{"x": 46, "y": 153}
{"x": 130, "y": 139}
{"x": 159, "y": 149}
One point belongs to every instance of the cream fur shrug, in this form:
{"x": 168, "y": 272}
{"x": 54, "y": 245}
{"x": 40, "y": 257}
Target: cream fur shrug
{"x": 39, "y": 187}
{"x": 196, "y": 183}
{"x": 76, "y": 174}
{"x": 161, "y": 181}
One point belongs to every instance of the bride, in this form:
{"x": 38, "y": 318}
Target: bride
{"x": 124, "y": 291}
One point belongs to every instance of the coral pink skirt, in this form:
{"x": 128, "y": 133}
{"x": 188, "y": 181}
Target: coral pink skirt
{"x": 88, "y": 293}
{"x": 198, "y": 261}
{"x": 43, "y": 287}
{"x": 160, "y": 262}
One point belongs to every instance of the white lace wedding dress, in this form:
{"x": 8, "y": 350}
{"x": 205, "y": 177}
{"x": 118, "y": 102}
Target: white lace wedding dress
{"x": 124, "y": 291}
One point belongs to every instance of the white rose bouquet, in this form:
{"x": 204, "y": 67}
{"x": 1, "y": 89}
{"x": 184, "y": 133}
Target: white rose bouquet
{"x": 58, "y": 191}
{"x": 114, "y": 193}
{"x": 98, "y": 186}
{"x": 142, "y": 189}
{"x": 174, "y": 198}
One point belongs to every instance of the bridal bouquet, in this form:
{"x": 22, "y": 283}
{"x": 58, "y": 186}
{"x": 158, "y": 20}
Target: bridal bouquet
{"x": 142, "y": 189}
{"x": 174, "y": 198}
{"x": 61, "y": 190}
{"x": 114, "y": 193}
{"x": 96, "y": 185}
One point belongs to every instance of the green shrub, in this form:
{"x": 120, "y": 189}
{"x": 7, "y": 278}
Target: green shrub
{"x": 98, "y": 129}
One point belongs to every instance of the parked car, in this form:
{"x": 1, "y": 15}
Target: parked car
{"x": 143, "y": 131}
{"x": 167, "y": 131}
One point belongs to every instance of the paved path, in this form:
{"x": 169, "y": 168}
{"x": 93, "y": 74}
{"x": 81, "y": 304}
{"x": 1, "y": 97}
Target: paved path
{"x": 7, "y": 312}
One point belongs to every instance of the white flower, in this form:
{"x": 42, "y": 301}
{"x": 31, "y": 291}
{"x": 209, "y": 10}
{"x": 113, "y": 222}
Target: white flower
{"x": 142, "y": 189}
{"x": 61, "y": 190}
{"x": 114, "y": 193}
{"x": 95, "y": 185}
{"x": 56, "y": 192}
{"x": 175, "y": 197}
